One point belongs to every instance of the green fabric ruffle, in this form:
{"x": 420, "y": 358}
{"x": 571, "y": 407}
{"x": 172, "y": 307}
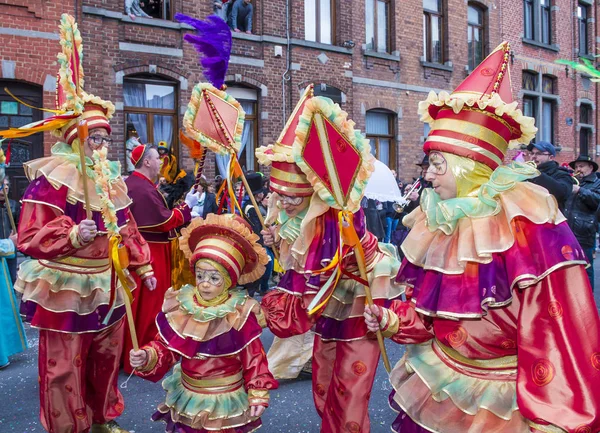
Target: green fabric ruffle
{"x": 189, "y": 403}
{"x": 185, "y": 296}
{"x": 65, "y": 151}
{"x": 444, "y": 214}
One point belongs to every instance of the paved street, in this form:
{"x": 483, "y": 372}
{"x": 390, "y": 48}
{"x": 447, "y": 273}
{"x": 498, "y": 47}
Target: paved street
{"x": 291, "y": 411}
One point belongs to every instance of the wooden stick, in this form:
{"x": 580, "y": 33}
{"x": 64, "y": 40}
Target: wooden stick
{"x": 358, "y": 253}
{"x": 130, "y": 322}
{"x": 82, "y": 132}
{"x": 352, "y": 239}
{"x": 8, "y": 209}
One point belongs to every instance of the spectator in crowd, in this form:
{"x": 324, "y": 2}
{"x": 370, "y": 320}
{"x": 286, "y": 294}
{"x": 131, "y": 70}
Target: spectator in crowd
{"x": 241, "y": 16}
{"x": 201, "y": 201}
{"x": 6, "y": 228}
{"x": 221, "y": 8}
{"x": 133, "y": 9}
{"x": 374, "y": 224}
{"x": 582, "y": 207}
{"x": 553, "y": 177}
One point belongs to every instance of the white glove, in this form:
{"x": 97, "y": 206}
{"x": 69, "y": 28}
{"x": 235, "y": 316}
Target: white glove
{"x": 191, "y": 199}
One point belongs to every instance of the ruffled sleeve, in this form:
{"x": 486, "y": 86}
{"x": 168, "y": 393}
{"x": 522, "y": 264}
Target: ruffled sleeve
{"x": 257, "y": 377}
{"x": 404, "y": 325}
{"x": 286, "y": 313}
{"x": 559, "y": 353}
{"x": 160, "y": 360}
{"x": 44, "y": 232}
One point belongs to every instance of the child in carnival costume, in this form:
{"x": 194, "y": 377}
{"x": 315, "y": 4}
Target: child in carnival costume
{"x": 222, "y": 382}
{"x": 502, "y": 330}
{"x": 70, "y": 291}
{"x": 321, "y": 287}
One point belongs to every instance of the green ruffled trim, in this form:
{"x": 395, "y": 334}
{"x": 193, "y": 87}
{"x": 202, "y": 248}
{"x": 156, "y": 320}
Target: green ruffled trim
{"x": 84, "y": 284}
{"x": 70, "y": 41}
{"x": 191, "y": 404}
{"x": 65, "y": 151}
{"x": 289, "y": 228}
{"x": 469, "y": 394}
{"x": 338, "y": 117}
{"x": 185, "y": 296}
{"x": 445, "y": 214}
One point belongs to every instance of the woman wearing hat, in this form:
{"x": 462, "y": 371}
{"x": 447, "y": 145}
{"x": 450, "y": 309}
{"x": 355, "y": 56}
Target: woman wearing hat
{"x": 222, "y": 382}
{"x": 501, "y": 326}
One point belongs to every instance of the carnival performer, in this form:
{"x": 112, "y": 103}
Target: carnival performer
{"x": 12, "y": 334}
{"x": 344, "y": 357}
{"x": 68, "y": 288}
{"x": 157, "y": 224}
{"x": 222, "y": 383}
{"x": 501, "y": 326}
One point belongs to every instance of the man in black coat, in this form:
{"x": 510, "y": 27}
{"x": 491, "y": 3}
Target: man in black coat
{"x": 553, "y": 177}
{"x": 582, "y": 208}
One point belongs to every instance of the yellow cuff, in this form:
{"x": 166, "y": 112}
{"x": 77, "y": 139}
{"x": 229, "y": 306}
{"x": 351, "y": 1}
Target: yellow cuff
{"x": 152, "y": 360}
{"x": 260, "y": 317}
{"x": 390, "y": 324}
{"x": 143, "y": 270}
{"x": 74, "y": 237}
{"x": 258, "y": 397}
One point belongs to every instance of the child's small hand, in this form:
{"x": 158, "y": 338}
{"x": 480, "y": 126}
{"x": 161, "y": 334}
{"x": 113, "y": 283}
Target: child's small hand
{"x": 138, "y": 358}
{"x": 256, "y": 411}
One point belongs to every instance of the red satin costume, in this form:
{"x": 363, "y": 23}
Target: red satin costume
{"x": 66, "y": 292}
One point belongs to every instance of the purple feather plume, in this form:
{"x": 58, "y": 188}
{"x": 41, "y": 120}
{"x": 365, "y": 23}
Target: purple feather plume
{"x": 213, "y": 42}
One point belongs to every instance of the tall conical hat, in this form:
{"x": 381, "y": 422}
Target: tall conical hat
{"x": 286, "y": 177}
{"x": 479, "y": 120}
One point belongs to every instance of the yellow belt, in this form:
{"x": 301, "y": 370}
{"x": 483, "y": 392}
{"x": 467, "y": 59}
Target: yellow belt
{"x": 77, "y": 264}
{"x": 210, "y": 386}
{"x": 505, "y": 362}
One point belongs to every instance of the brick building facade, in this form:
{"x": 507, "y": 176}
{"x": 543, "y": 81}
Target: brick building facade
{"x": 377, "y": 58}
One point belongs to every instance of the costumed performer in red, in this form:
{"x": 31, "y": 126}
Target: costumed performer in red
{"x": 345, "y": 356}
{"x": 69, "y": 288}
{"x": 290, "y": 356}
{"x": 222, "y": 382}
{"x": 157, "y": 224}
{"x": 502, "y": 330}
